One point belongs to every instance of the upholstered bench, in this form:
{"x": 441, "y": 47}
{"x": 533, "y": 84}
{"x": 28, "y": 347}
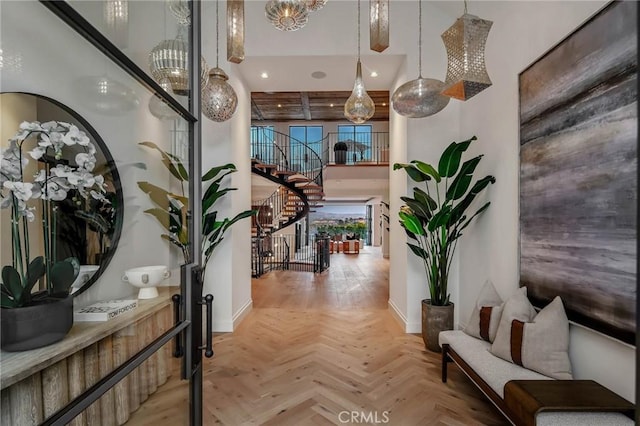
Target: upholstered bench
{"x": 490, "y": 374}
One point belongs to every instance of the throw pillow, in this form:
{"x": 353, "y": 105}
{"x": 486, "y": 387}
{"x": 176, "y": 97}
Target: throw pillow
{"x": 537, "y": 342}
{"x": 485, "y": 317}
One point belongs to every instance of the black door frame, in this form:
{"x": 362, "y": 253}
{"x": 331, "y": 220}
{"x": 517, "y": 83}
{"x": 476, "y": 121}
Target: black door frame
{"x": 191, "y": 289}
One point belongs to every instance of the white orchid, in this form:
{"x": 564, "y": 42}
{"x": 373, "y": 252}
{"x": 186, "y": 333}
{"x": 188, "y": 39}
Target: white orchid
{"x": 86, "y": 161}
{"x": 21, "y": 190}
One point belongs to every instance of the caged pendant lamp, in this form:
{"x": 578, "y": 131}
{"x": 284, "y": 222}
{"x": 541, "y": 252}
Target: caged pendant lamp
{"x": 420, "y": 97}
{"x": 465, "y": 42}
{"x": 359, "y": 107}
{"x": 219, "y": 100}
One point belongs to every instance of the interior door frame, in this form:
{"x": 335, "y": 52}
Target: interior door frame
{"x": 191, "y": 296}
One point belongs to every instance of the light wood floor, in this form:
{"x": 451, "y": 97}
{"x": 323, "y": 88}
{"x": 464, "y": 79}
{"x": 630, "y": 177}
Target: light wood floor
{"x": 316, "y": 346}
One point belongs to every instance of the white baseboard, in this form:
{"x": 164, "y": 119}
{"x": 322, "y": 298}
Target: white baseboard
{"x": 222, "y": 326}
{"x": 397, "y": 314}
{"x": 242, "y": 313}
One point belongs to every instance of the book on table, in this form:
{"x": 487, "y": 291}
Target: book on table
{"x": 105, "y": 310}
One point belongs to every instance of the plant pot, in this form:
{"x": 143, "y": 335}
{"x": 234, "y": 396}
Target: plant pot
{"x": 341, "y": 157}
{"x": 35, "y": 326}
{"x": 434, "y": 320}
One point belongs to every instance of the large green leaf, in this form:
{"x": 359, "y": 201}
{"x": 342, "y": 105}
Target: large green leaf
{"x": 213, "y": 172}
{"x": 418, "y": 251}
{"x": 161, "y": 196}
{"x": 175, "y": 166}
{"x": 415, "y": 174}
{"x": 11, "y": 279}
{"x": 480, "y": 210}
{"x": 210, "y": 199}
{"x": 427, "y": 169}
{"x": 7, "y": 302}
{"x": 62, "y": 276}
{"x": 462, "y": 181}
{"x": 450, "y": 159}
{"x": 424, "y": 198}
{"x": 208, "y": 222}
{"x": 458, "y": 210}
{"x": 420, "y": 210}
{"x": 440, "y": 218}
{"x": 35, "y": 271}
{"x": 411, "y": 223}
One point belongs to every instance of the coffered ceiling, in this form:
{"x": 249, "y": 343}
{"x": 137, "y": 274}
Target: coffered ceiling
{"x": 311, "y": 106}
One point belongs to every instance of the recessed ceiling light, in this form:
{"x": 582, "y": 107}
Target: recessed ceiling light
{"x": 374, "y": 74}
{"x": 318, "y": 74}
{"x": 384, "y": 104}
{"x": 264, "y": 75}
{"x": 331, "y": 105}
{"x": 279, "y": 105}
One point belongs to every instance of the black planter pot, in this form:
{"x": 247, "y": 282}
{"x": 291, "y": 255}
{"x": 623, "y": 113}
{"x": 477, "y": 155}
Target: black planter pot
{"x": 35, "y": 326}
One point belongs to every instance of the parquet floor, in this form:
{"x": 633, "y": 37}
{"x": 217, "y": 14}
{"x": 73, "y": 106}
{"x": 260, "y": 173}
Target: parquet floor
{"x": 324, "y": 350}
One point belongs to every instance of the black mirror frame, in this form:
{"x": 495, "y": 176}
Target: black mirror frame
{"x": 117, "y": 184}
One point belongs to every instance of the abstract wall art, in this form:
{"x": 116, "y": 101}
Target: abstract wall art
{"x": 578, "y": 173}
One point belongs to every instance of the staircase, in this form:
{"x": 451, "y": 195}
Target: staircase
{"x": 297, "y": 169}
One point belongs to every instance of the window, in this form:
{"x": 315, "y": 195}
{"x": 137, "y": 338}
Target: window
{"x": 299, "y": 155}
{"x": 358, "y": 139}
{"x": 262, "y": 143}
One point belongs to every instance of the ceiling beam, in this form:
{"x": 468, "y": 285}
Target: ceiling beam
{"x": 304, "y": 98}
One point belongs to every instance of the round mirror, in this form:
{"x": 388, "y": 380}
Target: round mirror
{"x": 86, "y": 218}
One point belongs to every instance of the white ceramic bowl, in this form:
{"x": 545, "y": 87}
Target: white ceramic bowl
{"x": 146, "y": 278}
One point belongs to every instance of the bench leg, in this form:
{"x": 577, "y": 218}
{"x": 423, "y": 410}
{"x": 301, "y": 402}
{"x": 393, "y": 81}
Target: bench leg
{"x": 445, "y": 361}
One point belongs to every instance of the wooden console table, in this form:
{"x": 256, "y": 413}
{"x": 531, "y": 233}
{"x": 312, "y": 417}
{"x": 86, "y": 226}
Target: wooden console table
{"x": 526, "y": 398}
{"x": 37, "y": 383}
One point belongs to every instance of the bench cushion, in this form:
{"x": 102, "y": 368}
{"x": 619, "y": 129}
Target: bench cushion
{"x": 493, "y": 370}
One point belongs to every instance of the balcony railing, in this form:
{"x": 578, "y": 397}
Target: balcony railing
{"x": 280, "y": 252}
{"x": 362, "y": 148}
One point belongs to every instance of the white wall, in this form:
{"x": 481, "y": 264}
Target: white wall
{"x": 522, "y": 32}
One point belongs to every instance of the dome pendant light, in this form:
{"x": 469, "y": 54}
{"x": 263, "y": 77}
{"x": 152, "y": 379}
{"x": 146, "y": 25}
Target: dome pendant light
{"x": 287, "y": 15}
{"x": 421, "y": 97}
{"x": 359, "y": 107}
{"x": 219, "y": 100}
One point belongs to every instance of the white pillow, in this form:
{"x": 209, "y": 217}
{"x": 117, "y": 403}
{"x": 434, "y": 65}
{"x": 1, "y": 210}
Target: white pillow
{"x": 537, "y": 342}
{"x": 485, "y": 317}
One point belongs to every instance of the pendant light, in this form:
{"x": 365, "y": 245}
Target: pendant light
{"x": 465, "y": 42}
{"x": 315, "y": 5}
{"x": 287, "y": 15}
{"x": 359, "y": 107}
{"x": 421, "y": 97}
{"x": 219, "y": 100}
{"x": 235, "y": 31}
{"x": 378, "y": 25}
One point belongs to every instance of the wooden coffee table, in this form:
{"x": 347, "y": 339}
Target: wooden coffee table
{"x": 526, "y": 398}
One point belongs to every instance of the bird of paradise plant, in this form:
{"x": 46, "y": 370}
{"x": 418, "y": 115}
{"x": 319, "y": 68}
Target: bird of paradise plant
{"x": 171, "y": 209}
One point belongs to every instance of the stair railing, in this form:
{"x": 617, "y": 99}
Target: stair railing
{"x": 362, "y": 148}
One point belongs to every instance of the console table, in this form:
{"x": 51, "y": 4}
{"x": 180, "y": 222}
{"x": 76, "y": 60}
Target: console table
{"x": 37, "y": 383}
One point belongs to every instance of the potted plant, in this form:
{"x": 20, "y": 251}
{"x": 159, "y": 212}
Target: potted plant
{"x": 65, "y": 170}
{"x": 434, "y": 219}
{"x": 340, "y": 152}
{"x": 171, "y": 209}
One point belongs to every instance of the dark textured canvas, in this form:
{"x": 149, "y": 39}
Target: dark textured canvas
{"x": 578, "y": 173}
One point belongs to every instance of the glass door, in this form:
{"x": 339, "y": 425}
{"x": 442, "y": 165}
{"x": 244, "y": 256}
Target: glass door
{"x": 120, "y": 176}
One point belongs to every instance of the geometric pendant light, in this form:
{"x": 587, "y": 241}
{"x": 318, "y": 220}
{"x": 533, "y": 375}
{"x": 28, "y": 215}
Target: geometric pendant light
{"x": 420, "y": 97}
{"x": 359, "y": 107}
{"x": 219, "y": 100}
{"x": 465, "y": 42}
{"x": 378, "y": 25}
{"x": 235, "y": 31}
